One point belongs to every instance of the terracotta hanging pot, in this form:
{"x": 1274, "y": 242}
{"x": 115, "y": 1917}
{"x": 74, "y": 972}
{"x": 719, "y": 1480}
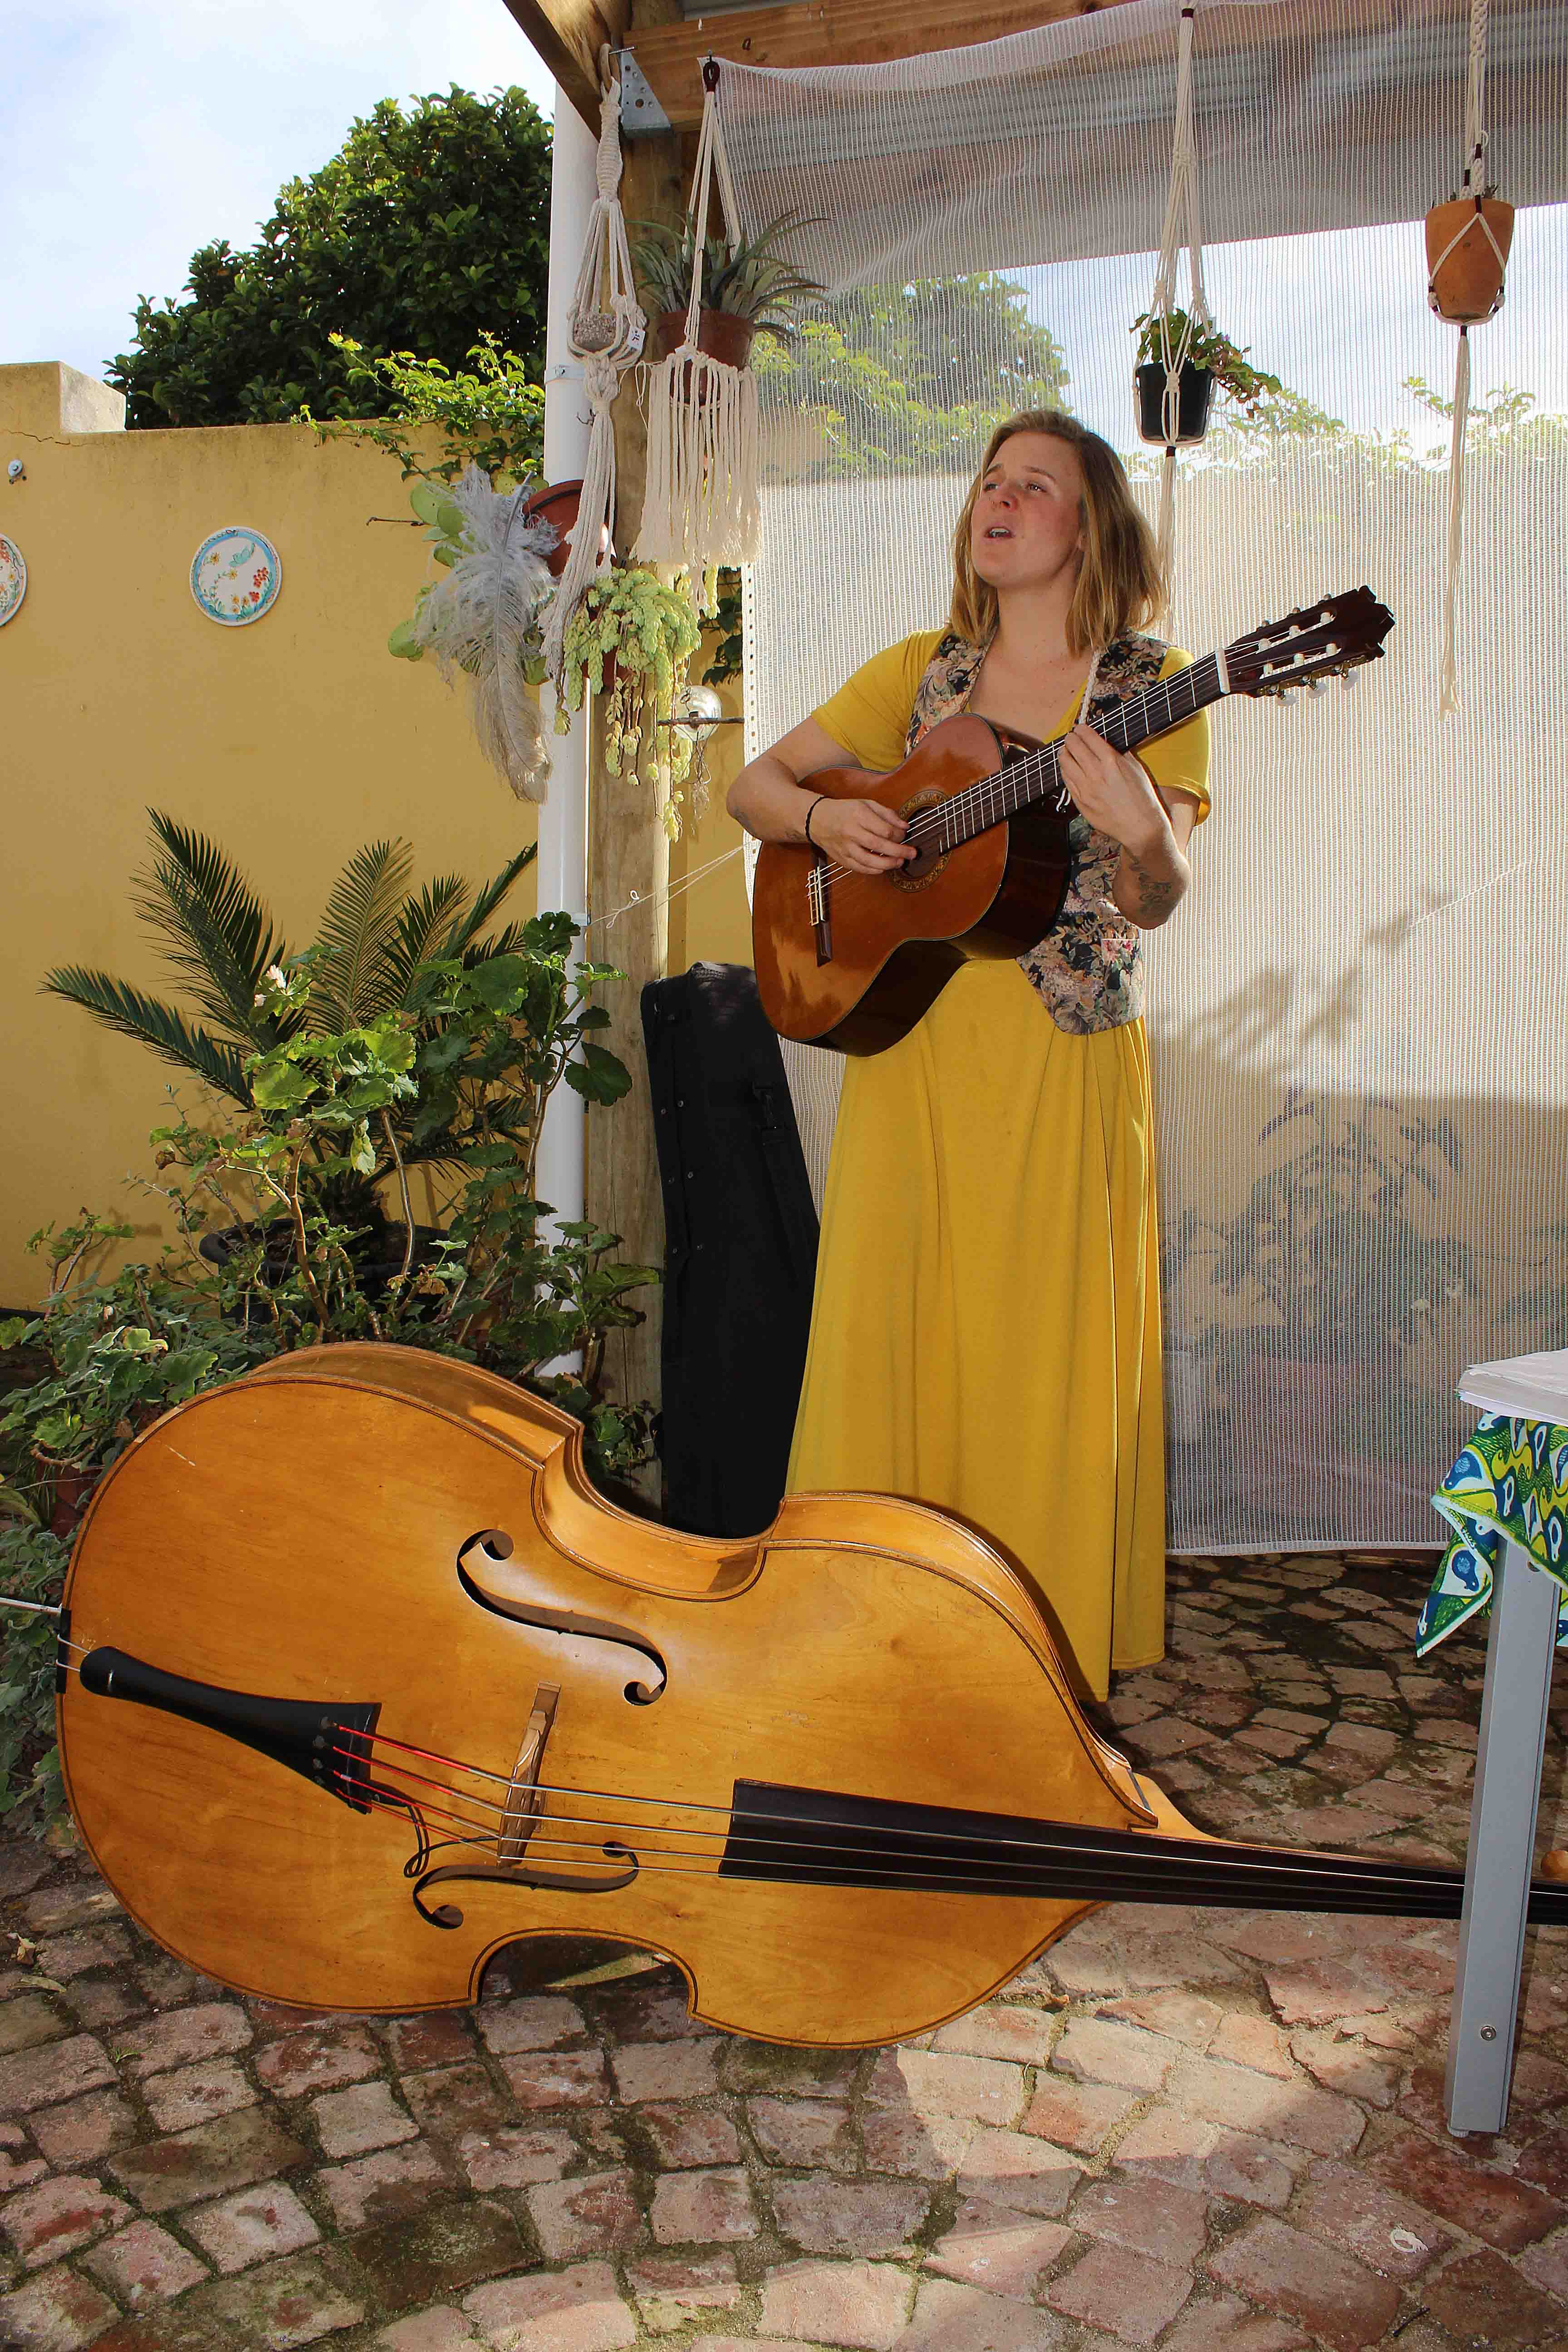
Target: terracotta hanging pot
{"x": 1466, "y": 283}
{"x": 1194, "y": 392}
{"x": 719, "y": 336}
{"x": 558, "y": 503}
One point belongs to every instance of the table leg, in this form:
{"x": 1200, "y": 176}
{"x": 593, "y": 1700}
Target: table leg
{"x": 1519, "y": 1646}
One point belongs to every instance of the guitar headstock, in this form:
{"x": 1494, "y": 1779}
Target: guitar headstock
{"x": 1328, "y": 639}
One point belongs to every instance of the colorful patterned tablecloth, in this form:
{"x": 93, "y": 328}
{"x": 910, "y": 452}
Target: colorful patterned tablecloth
{"x": 1511, "y": 1479}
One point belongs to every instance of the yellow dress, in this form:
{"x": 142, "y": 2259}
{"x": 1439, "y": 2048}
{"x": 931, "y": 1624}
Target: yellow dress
{"x": 986, "y": 1331}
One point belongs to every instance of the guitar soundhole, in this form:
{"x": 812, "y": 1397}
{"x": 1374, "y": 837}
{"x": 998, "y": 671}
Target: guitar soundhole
{"x": 922, "y": 870}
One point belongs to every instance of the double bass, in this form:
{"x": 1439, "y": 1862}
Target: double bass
{"x": 360, "y": 1681}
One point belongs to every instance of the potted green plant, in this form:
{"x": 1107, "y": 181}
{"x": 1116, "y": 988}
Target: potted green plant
{"x": 634, "y": 638}
{"x": 747, "y": 290}
{"x": 1173, "y": 416}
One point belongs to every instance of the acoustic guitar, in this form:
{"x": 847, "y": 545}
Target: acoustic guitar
{"x": 360, "y": 1681}
{"x": 853, "y": 961}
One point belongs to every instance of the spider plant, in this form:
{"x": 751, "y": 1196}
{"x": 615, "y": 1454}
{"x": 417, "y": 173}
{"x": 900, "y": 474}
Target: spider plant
{"x": 750, "y": 281}
{"x": 376, "y": 941}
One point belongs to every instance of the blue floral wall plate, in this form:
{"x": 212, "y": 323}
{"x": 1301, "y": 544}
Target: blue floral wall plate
{"x": 12, "y": 578}
{"x": 236, "y": 577}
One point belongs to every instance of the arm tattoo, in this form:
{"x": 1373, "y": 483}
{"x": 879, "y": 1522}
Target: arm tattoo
{"x": 1157, "y": 895}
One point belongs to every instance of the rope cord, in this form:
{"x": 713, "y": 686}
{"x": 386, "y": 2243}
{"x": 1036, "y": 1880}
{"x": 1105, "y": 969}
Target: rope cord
{"x": 1183, "y": 226}
{"x": 1470, "y": 185}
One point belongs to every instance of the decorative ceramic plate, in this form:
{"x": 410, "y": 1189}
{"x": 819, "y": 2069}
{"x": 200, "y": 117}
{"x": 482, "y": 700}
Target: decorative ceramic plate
{"x": 12, "y": 578}
{"x": 236, "y": 577}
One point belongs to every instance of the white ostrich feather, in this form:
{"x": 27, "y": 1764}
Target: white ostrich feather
{"x": 476, "y": 616}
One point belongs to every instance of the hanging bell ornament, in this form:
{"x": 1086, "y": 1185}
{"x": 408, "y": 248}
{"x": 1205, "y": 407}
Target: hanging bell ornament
{"x": 1467, "y": 241}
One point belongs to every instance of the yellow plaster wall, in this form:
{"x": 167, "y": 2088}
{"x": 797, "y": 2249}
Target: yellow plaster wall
{"x": 291, "y": 743}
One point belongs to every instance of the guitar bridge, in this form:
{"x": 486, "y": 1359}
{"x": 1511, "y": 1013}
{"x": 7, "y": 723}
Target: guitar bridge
{"x": 816, "y": 904}
{"x": 523, "y": 1797}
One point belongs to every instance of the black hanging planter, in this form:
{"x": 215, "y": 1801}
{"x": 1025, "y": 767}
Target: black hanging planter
{"x": 1195, "y": 391}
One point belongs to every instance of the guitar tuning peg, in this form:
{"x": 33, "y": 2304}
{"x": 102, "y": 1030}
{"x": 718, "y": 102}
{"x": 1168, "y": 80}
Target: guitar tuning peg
{"x": 1288, "y": 693}
{"x": 1315, "y": 684}
{"x": 1352, "y": 678}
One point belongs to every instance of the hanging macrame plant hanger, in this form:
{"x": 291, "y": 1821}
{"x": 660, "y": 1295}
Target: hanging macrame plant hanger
{"x": 1467, "y": 241}
{"x": 1182, "y": 226}
{"x": 605, "y": 330}
{"x": 700, "y": 506}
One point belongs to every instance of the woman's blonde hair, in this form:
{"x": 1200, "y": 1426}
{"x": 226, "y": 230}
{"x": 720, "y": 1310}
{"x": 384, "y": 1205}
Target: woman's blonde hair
{"x": 1118, "y": 585}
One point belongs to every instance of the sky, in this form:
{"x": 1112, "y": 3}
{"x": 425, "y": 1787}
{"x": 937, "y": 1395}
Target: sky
{"x": 132, "y": 135}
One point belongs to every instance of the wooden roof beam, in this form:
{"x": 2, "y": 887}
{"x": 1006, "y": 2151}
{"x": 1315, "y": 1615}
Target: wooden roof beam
{"x": 568, "y": 36}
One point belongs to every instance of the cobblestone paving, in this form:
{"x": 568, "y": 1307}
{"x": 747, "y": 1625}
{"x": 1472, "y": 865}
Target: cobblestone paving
{"x": 1204, "y": 2131}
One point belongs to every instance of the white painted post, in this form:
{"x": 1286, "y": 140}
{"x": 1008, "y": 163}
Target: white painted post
{"x": 561, "y": 867}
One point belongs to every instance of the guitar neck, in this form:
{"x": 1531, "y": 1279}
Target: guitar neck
{"x": 1038, "y": 777}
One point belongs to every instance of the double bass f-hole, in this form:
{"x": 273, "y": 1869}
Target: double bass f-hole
{"x": 492, "y": 1548}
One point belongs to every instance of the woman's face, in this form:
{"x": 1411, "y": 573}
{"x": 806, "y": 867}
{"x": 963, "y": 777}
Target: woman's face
{"x": 1026, "y": 523}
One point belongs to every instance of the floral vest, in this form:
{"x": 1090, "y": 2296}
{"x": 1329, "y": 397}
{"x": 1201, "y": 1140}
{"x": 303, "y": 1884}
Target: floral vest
{"x": 1088, "y": 968}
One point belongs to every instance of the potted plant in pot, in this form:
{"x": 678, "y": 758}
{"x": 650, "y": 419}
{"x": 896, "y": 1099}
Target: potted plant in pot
{"x": 1173, "y": 416}
{"x": 633, "y": 638}
{"x": 1467, "y": 241}
{"x": 748, "y": 288}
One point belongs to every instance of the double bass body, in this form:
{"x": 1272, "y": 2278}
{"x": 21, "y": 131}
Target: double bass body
{"x": 380, "y": 1530}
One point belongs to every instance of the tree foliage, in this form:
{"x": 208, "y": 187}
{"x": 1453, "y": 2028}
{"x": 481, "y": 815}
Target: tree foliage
{"x": 428, "y": 230}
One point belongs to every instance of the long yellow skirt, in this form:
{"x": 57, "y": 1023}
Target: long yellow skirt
{"x": 985, "y": 1334}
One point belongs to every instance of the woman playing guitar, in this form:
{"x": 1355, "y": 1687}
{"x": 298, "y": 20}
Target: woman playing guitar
{"x": 985, "y": 1333}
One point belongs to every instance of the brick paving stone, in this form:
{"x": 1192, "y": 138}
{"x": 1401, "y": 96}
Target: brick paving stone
{"x": 1180, "y": 2016}
{"x": 20, "y": 2171}
{"x": 514, "y": 2158}
{"x": 670, "y": 2287}
{"x": 1124, "y": 2292}
{"x": 144, "y": 2265}
{"x": 684, "y": 2137}
{"x": 848, "y": 2216}
{"x": 919, "y": 2148}
{"x": 253, "y": 2227}
{"x": 953, "y": 2318}
{"x": 1283, "y": 1936}
{"x": 1168, "y": 1736}
{"x": 350, "y": 2122}
{"x": 1481, "y": 2299}
{"x": 194, "y": 2094}
{"x": 1221, "y": 2324}
{"x": 58, "y": 2313}
{"x": 446, "y": 2245}
{"x": 1390, "y": 2233}
{"x": 577, "y": 2310}
{"x": 45, "y": 2223}
{"x": 1000, "y": 2030}
{"x": 1257, "y": 2103}
{"x": 1076, "y": 2115}
{"x": 1012, "y": 2168}
{"x": 862, "y": 2305}
{"x": 205, "y": 2162}
{"x": 1319, "y": 1993}
{"x": 649, "y": 2011}
{"x": 1154, "y": 2217}
{"x": 667, "y": 2070}
{"x": 97, "y": 2003}
{"x": 1546, "y": 2266}
{"x": 1544, "y": 2162}
{"x": 702, "y": 2209}
{"x": 155, "y": 2044}
{"x": 990, "y": 2247}
{"x": 453, "y": 2101}
{"x": 1197, "y": 2155}
{"x": 283, "y": 2303}
{"x": 65, "y": 1957}
{"x": 1507, "y": 2212}
{"x": 441, "y": 2329}
{"x": 271, "y": 2018}
{"x": 533, "y": 2021}
{"x": 564, "y": 2078}
{"x": 1099, "y": 2050}
{"x": 809, "y": 2133}
{"x": 930, "y": 2082}
{"x": 792, "y": 2074}
{"x": 84, "y": 2129}
{"x": 57, "y": 2071}
{"x": 1337, "y": 2065}
{"x": 1243, "y": 2039}
{"x": 27, "y": 2022}
{"x": 74, "y": 1902}
{"x": 317, "y": 2058}
{"x": 595, "y": 2214}
{"x": 1329, "y": 2293}
{"x": 382, "y": 2186}
{"x": 440, "y": 2038}
{"x": 1087, "y": 1961}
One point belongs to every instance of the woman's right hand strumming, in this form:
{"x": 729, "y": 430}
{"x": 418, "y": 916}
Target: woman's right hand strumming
{"x": 773, "y": 796}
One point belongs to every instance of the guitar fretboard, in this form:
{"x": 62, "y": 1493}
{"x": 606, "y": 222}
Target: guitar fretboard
{"x": 1024, "y": 781}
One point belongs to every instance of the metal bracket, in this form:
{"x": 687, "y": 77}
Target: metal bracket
{"x": 641, "y": 113}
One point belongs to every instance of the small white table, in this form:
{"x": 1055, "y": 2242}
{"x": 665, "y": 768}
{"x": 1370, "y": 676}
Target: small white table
{"x": 1520, "y": 1646}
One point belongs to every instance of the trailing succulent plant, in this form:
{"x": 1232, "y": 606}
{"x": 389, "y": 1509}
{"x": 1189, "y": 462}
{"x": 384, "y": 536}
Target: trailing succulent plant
{"x": 750, "y": 281}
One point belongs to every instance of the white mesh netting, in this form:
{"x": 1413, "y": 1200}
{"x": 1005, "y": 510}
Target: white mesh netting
{"x": 1360, "y": 1065}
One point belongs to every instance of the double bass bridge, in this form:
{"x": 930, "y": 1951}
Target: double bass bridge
{"x": 521, "y": 1812}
